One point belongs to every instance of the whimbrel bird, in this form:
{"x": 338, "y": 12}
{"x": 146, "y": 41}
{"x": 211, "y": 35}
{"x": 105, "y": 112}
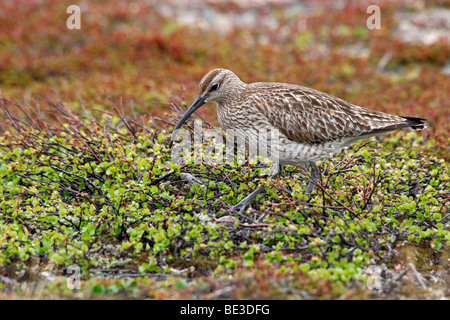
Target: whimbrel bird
{"x": 311, "y": 124}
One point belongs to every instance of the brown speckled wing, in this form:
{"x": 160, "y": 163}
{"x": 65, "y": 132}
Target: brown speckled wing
{"x": 308, "y": 116}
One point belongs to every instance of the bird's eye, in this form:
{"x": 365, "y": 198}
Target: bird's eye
{"x": 214, "y": 87}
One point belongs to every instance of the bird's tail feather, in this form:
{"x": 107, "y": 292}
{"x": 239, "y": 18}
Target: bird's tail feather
{"x": 410, "y": 123}
{"x": 415, "y": 123}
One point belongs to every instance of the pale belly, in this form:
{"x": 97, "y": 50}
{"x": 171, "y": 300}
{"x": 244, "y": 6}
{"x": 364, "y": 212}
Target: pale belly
{"x": 284, "y": 151}
{"x": 293, "y": 153}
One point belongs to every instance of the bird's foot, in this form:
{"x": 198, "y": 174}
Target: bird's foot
{"x": 241, "y": 207}
{"x": 246, "y": 202}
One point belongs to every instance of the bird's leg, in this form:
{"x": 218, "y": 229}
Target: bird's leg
{"x": 245, "y": 203}
{"x": 315, "y": 177}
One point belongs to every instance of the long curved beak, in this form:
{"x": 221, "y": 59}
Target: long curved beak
{"x": 197, "y": 104}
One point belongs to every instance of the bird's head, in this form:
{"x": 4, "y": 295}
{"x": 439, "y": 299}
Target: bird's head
{"x": 217, "y": 85}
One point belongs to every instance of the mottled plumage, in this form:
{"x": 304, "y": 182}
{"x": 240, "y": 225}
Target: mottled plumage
{"x": 311, "y": 123}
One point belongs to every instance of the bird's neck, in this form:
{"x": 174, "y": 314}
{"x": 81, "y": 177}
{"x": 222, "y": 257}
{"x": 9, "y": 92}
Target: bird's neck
{"x": 235, "y": 96}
